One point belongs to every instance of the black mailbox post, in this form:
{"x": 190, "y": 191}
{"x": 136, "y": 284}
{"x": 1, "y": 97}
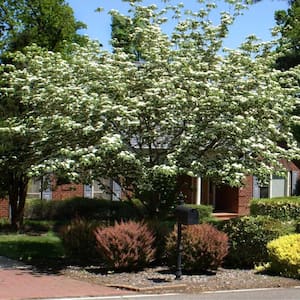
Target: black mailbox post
{"x": 185, "y": 216}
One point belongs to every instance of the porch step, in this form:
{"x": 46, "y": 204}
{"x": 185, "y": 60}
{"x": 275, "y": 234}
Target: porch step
{"x": 224, "y": 215}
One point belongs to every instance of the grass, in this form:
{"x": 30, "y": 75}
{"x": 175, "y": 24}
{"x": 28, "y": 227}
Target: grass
{"x": 26, "y": 247}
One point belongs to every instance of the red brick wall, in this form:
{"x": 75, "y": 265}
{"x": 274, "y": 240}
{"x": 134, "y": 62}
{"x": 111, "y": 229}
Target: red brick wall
{"x": 245, "y": 196}
{"x": 4, "y": 208}
{"x": 65, "y": 191}
{"x": 290, "y": 166}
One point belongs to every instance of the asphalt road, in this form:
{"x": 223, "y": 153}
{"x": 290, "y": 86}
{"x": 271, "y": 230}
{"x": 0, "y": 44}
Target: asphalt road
{"x": 259, "y": 294}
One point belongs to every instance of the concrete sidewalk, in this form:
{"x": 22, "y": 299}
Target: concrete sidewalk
{"x": 19, "y": 281}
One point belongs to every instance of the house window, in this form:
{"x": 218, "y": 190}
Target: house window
{"x": 99, "y": 189}
{"x": 264, "y": 192}
{"x": 39, "y": 188}
{"x": 277, "y": 187}
{"x": 260, "y": 191}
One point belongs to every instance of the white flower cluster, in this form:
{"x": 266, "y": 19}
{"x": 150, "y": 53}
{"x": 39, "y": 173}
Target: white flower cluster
{"x": 181, "y": 108}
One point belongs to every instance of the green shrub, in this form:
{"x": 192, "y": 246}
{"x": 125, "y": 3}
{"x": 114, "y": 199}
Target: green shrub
{"x": 79, "y": 240}
{"x": 297, "y": 226}
{"x": 126, "y": 210}
{"x": 125, "y": 246}
{"x": 284, "y": 254}
{"x": 203, "y": 248}
{"x": 82, "y": 208}
{"x": 278, "y": 208}
{"x": 160, "y": 229}
{"x": 205, "y": 212}
{"x": 37, "y": 226}
{"x": 248, "y": 238}
{"x": 5, "y": 226}
{"x": 37, "y": 209}
{"x": 100, "y": 209}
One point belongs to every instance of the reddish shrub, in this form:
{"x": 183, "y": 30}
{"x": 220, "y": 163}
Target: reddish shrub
{"x": 126, "y": 246}
{"x": 203, "y": 247}
{"x": 79, "y": 240}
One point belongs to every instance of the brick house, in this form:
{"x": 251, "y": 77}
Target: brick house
{"x": 226, "y": 200}
{"x": 4, "y": 208}
{"x": 236, "y": 201}
{"x": 106, "y": 189}
{"x": 66, "y": 191}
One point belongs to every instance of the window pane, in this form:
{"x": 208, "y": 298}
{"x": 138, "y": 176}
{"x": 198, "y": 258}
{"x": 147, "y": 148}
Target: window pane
{"x": 264, "y": 192}
{"x": 278, "y": 186}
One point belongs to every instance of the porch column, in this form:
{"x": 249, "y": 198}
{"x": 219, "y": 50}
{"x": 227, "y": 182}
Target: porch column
{"x": 288, "y": 186}
{"x": 198, "y": 194}
{"x": 271, "y": 187}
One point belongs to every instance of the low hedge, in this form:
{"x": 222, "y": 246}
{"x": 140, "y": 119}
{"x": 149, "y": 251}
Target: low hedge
{"x": 205, "y": 212}
{"x": 63, "y": 210}
{"x": 279, "y": 208}
{"x": 284, "y": 254}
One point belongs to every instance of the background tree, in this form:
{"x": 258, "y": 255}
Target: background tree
{"x": 47, "y": 23}
{"x": 51, "y": 25}
{"x": 124, "y": 35}
{"x": 289, "y": 26}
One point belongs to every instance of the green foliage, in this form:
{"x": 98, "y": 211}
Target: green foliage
{"x": 99, "y": 209}
{"x": 37, "y": 209}
{"x": 278, "y": 208}
{"x": 161, "y": 230}
{"x": 289, "y": 24}
{"x": 5, "y": 226}
{"x": 184, "y": 109}
{"x": 297, "y": 225}
{"x": 284, "y": 254}
{"x": 203, "y": 248}
{"x": 25, "y": 247}
{"x": 37, "y": 226}
{"x": 248, "y": 238}
{"x": 205, "y": 212}
{"x": 126, "y": 246}
{"x": 79, "y": 240}
{"x": 47, "y": 23}
{"x": 289, "y": 51}
{"x": 158, "y": 193}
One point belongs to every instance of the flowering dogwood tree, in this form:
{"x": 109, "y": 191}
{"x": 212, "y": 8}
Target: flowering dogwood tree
{"x": 185, "y": 108}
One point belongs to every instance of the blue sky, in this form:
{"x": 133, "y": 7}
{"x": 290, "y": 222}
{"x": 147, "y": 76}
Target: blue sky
{"x": 258, "y": 19}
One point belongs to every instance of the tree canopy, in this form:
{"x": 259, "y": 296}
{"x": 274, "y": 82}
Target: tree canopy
{"x": 47, "y": 23}
{"x": 289, "y": 27}
{"x": 50, "y": 24}
{"x": 187, "y": 107}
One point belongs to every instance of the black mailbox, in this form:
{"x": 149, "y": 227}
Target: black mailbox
{"x": 187, "y": 215}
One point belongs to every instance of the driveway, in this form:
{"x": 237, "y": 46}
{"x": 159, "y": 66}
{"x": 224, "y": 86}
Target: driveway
{"x": 18, "y": 281}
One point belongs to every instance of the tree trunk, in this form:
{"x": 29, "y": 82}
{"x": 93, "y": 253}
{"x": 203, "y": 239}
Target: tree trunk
{"x": 17, "y": 195}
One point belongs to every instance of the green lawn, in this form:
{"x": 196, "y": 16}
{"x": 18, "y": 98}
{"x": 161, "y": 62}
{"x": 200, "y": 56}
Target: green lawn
{"x": 27, "y": 247}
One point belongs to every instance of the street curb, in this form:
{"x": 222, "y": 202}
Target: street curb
{"x": 147, "y": 289}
